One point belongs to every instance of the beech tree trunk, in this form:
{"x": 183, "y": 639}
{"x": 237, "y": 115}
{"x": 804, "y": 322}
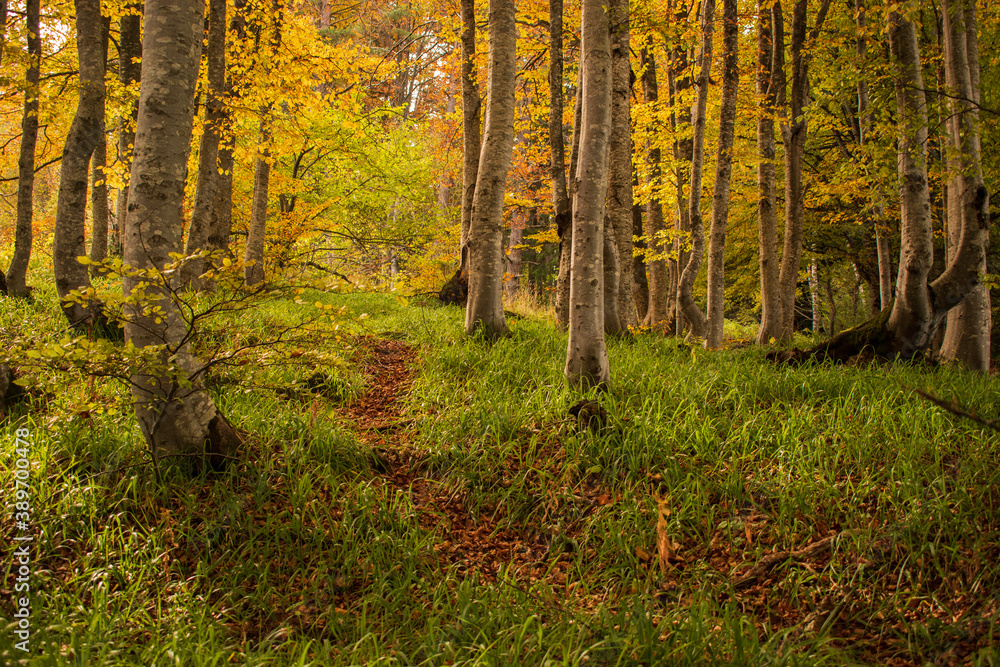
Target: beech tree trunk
{"x": 557, "y": 153}
{"x": 175, "y": 415}
{"x": 692, "y": 313}
{"x": 99, "y": 204}
{"x": 129, "y": 65}
{"x": 17, "y": 274}
{"x": 207, "y": 186}
{"x": 514, "y": 247}
{"x": 640, "y": 283}
{"x": 471, "y": 125}
{"x": 723, "y": 174}
{"x": 657, "y": 248}
{"x": 84, "y": 135}
{"x": 566, "y": 239}
{"x": 484, "y": 309}
{"x": 967, "y": 338}
{"x": 770, "y": 46}
{"x": 586, "y": 354}
{"x": 618, "y": 222}
{"x": 222, "y": 210}
{"x": 253, "y": 259}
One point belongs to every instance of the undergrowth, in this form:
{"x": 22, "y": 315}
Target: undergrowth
{"x": 482, "y": 525}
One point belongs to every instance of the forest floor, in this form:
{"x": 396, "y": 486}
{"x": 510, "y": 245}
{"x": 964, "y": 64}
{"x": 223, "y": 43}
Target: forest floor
{"x": 411, "y": 496}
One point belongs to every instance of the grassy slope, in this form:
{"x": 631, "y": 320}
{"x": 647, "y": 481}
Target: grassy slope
{"x": 313, "y": 553}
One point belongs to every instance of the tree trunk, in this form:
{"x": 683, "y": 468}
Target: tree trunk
{"x": 175, "y": 415}
{"x": 17, "y": 275}
{"x": 657, "y": 248}
{"x": 484, "y": 311}
{"x": 692, "y": 313}
{"x": 207, "y": 186}
{"x": 640, "y": 285}
{"x": 770, "y": 44}
{"x": 84, "y": 135}
{"x": 566, "y": 237}
{"x": 814, "y": 296}
{"x": 557, "y": 159}
{"x": 253, "y": 260}
{"x": 99, "y": 204}
{"x": 586, "y": 354}
{"x": 471, "y": 126}
{"x": 967, "y": 338}
{"x": 618, "y": 222}
{"x": 222, "y": 210}
{"x": 723, "y": 174}
{"x": 129, "y": 65}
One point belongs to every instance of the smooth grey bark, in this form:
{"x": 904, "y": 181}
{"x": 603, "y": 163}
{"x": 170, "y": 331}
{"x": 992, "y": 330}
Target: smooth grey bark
{"x": 692, "y": 313}
{"x": 99, "y": 204}
{"x": 484, "y": 309}
{"x": 471, "y": 127}
{"x": 586, "y": 353}
{"x": 770, "y": 46}
{"x": 864, "y": 129}
{"x": 222, "y": 210}
{"x": 129, "y": 66}
{"x": 566, "y": 239}
{"x": 253, "y": 258}
{"x": 656, "y": 266}
{"x": 618, "y": 221}
{"x": 514, "y": 246}
{"x": 920, "y": 308}
{"x": 207, "y": 186}
{"x": 640, "y": 283}
{"x": 561, "y": 207}
{"x": 794, "y": 132}
{"x": 174, "y": 418}
{"x": 18, "y": 271}
{"x": 84, "y": 135}
{"x": 723, "y": 175}
{"x": 967, "y": 338}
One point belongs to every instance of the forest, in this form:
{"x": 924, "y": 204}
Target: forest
{"x": 643, "y": 332}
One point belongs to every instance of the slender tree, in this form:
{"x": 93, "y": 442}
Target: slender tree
{"x": 770, "y": 46}
{"x": 723, "y": 174}
{"x": 967, "y": 338}
{"x": 17, "y": 275}
{"x": 657, "y": 311}
{"x": 99, "y": 210}
{"x": 586, "y": 355}
{"x": 129, "y": 68}
{"x": 207, "y": 186}
{"x": 618, "y": 222}
{"x": 692, "y": 313}
{"x": 557, "y": 150}
{"x": 174, "y": 413}
{"x": 471, "y": 124}
{"x": 84, "y": 135}
{"x": 484, "y": 310}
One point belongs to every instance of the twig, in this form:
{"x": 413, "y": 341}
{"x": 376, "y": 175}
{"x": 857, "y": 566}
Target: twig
{"x": 768, "y": 562}
{"x": 954, "y": 409}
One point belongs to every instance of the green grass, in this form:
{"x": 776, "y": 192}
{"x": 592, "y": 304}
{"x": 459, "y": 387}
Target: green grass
{"x": 500, "y": 534}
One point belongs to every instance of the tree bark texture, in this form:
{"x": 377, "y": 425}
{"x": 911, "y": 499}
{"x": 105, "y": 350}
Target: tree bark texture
{"x": 17, "y": 274}
{"x": 84, "y": 135}
{"x": 685, "y": 291}
{"x": 207, "y": 186}
{"x": 656, "y": 245}
{"x": 618, "y": 222}
{"x": 129, "y": 66}
{"x": 566, "y": 238}
{"x": 723, "y": 175}
{"x": 586, "y": 354}
{"x": 173, "y": 418}
{"x": 99, "y": 203}
{"x": 484, "y": 310}
{"x": 967, "y": 338}
{"x": 768, "y": 47}
{"x": 640, "y": 283}
{"x": 471, "y": 125}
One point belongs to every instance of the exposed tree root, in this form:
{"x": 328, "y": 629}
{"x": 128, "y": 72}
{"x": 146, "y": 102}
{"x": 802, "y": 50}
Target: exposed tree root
{"x": 872, "y": 338}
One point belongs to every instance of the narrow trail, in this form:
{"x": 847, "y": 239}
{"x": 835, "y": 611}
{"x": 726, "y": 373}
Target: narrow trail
{"x": 472, "y": 543}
